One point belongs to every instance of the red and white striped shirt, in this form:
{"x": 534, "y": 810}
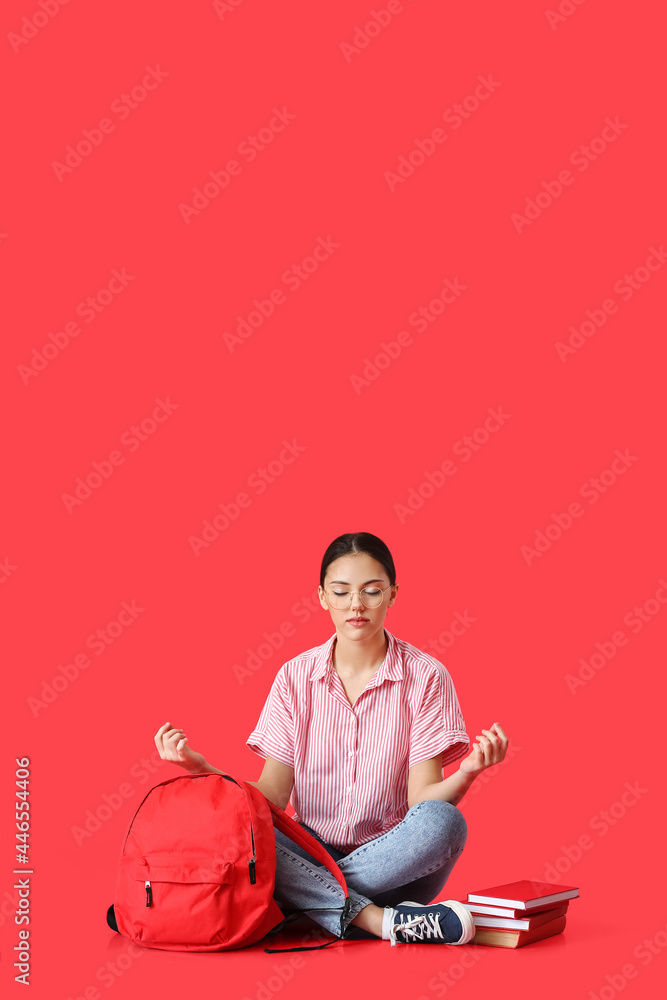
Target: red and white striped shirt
{"x": 351, "y": 762}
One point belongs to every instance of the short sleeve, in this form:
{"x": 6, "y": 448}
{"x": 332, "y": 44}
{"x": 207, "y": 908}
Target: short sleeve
{"x": 273, "y": 735}
{"x": 438, "y": 725}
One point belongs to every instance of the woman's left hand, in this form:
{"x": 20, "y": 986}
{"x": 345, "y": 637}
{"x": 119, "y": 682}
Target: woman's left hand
{"x": 490, "y": 750}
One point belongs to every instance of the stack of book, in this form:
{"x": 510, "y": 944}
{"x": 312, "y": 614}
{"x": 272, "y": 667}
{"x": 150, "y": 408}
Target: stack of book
{"x": 519, "y": 913}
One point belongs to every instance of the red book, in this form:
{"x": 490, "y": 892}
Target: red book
{"x": 516, "y": 920}
{"x": 512, "y": 912}
{"x": 516, "y": 939}
{"x": 524, "y": 895}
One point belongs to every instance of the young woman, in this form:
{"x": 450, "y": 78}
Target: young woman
{"x": 357, "y": 732}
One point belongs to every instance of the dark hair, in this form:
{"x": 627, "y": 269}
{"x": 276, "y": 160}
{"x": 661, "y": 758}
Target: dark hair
{"x": 359, "y": 541}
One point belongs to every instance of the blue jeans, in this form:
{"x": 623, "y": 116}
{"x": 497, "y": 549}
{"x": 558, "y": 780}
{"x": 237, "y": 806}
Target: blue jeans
{"x": 412, "y": 861}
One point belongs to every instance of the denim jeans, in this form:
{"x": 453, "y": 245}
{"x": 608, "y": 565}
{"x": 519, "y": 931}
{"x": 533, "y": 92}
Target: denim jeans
{"x": 412, "y": 861}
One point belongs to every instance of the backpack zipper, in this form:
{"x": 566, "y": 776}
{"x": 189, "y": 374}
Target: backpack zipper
{"x": 251, "y": 863}
{"x": 253, "y": 859}
{"x": 149, "y": 893}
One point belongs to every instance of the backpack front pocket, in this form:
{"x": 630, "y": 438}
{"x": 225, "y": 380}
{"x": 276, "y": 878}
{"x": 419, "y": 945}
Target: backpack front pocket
{"x": 177, "y": 893}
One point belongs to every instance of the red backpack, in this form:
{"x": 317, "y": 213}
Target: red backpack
{"x": 197, "y": 870}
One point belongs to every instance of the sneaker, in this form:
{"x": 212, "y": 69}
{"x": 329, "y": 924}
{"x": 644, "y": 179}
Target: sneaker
{"x": 448, "y": 922}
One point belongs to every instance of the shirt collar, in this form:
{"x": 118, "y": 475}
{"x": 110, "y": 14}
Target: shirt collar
{"x": 390, "y": 670}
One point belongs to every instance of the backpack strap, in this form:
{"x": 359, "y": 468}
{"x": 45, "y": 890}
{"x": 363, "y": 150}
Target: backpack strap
{"x": 295, "y": 832}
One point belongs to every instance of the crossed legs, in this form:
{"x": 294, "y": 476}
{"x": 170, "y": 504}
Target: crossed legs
{"x": 412, "y": 861}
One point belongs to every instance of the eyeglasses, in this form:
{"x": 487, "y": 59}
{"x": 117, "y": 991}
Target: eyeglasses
{"x": 341, "y": 600}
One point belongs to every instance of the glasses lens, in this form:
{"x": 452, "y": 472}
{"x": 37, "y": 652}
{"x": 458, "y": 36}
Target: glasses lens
{"x": 372, "y": 598}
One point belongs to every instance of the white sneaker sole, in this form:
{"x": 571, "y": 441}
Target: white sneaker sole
{"x": 461, "y": 911}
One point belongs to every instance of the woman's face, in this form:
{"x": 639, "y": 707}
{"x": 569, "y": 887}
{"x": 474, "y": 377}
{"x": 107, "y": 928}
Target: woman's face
{"x": 354, "y": 573}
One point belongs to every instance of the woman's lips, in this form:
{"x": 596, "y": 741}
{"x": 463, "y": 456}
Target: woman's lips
{"x": 357, "y": 622}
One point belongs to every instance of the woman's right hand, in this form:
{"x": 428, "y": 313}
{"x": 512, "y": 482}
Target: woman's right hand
{"x": 172, "y": 744}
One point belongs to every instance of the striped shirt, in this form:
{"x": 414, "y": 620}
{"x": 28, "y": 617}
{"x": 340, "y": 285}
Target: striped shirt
{"x": 351, "y": 762}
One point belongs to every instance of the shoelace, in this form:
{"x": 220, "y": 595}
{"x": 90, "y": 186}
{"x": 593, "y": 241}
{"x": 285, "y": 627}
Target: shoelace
{"x": 417, "y": 927}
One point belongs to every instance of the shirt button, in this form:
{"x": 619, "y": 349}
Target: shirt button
{"x": 351, "y": 753}
{"x": 349, "y": 788}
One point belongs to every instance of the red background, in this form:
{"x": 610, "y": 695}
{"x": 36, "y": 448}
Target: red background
{"x": 461, "y": 550}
